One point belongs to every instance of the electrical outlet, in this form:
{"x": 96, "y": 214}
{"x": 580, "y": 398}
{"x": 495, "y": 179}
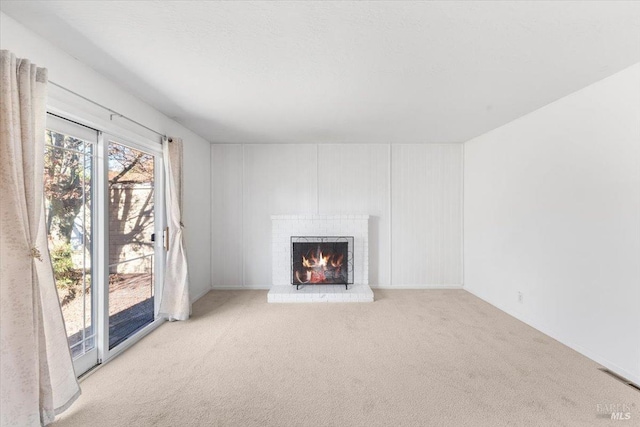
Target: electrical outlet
{"x": 520, "y": 297}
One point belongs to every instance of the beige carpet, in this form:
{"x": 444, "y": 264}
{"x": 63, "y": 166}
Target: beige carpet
{"x": 412, "y": 358}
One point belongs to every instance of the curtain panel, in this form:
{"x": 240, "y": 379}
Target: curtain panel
{"x": 174, "y": 303}
{"x": 37, "y": 376}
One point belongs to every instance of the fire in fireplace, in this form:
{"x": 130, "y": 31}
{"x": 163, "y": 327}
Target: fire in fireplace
{"x": 321, "y": 260}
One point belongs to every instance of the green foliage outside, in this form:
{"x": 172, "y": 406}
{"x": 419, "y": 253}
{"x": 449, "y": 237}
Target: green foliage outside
{"x": 67, "y": 182}
{"x": 68, "y": 278}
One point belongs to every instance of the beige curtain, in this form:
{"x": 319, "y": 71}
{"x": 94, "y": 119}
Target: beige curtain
{"x": 37, "y": 380}
{"x": 174, "y": 303}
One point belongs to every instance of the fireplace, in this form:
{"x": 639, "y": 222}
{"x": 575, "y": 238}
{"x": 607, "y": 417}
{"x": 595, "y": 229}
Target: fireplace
{"x": 325, "y": 260}
{"x": 289, "y": 229}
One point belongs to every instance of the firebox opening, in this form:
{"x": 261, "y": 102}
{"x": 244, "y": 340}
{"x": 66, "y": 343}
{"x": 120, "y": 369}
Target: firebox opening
{"x": 322, "y": 260}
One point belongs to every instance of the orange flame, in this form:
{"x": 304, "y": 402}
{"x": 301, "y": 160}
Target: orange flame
{"x": 316, "y": 265}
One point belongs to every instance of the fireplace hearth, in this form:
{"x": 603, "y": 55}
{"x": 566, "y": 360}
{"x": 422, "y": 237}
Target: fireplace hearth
{"x": 326, "y": 260}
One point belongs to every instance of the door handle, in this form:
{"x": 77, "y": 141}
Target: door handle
{"x": 166, "y": 239}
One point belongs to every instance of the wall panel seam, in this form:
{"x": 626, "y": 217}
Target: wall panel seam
{"x": 390, "y": 219}
{"x": 242, "y": 219}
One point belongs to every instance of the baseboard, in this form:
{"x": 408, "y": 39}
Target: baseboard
{"x": 399, "y": 287}
{"x": 558, "y": 337}
{"x": 199, "y": 295}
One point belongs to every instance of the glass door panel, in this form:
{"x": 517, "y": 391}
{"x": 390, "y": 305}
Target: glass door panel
{"x": 131, "y": 247}
{"x": 69, "y": 194}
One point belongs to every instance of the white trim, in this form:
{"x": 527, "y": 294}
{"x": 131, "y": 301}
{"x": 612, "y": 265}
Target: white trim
{"x": 386, "y": 287}
{"x": 86, "y": 361}
{"x": 101, "y": 248}
{"x": 58, "y": 124}
{"x": 133, "y": 339}
{"x": 125, "y": 345}
{"x": 160, "y": 222}
{"x": 80, "y": 116}
{"x": 416, "y": 287}
{"x": 561, "y": 339}
{"x": 199, "y": 295}
{"x": 147, "y": 146}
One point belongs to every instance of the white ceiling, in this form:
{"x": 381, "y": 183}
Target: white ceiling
{"x": 396, "y": 72}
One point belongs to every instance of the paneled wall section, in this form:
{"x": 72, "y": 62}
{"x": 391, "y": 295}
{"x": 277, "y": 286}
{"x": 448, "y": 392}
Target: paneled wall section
{"x": 426, "y": 188}
{"x": 413, "y": 193}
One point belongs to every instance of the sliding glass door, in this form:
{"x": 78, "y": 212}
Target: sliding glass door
{"x": 131, "y": 212}
{"x": 69, "y": 187}
{"x": 104, "y": 223}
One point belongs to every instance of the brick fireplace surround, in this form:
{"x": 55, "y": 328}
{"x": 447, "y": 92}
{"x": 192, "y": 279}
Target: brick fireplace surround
{"x": 285, "y": 226}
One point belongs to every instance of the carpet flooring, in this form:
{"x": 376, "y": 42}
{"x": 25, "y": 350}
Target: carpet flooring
{"x": 411, "y": 358}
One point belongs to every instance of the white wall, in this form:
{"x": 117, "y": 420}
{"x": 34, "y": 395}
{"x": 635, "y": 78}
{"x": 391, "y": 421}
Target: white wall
{"x": 552, "y": 210}
{"x": 72, "y": 74}
{"x": 413, "y": 193}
